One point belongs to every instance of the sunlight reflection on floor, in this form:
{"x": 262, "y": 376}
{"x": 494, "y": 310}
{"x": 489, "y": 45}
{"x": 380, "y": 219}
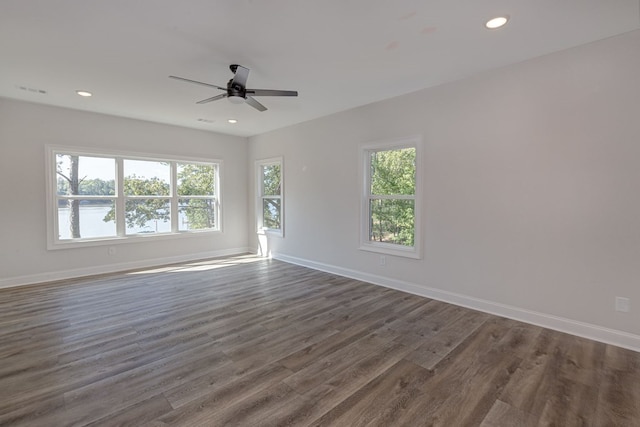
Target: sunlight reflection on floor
{"x": 203, "y": 265}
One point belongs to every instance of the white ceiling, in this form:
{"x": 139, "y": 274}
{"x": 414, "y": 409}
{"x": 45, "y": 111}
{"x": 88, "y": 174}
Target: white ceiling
{"x": 338, "y": 54}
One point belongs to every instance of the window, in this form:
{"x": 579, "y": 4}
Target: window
{"x": 85, "y": 194}
{"x": 270, "y": 195}
{"x": 147, "y": 196}
{"x": 390, "y": 200}
{"x": 98, "y": 197}
{"x": 197, "y": 201}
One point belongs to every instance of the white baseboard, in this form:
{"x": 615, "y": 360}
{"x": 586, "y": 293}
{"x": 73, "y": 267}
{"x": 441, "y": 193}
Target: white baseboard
{"x": 113, "y": 268}
{"x": 573, "y": 327}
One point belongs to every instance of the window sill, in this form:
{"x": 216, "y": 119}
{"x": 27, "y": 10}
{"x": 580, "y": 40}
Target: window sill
{"x": 391, "y": 249}
{"x": 137, "y": 238}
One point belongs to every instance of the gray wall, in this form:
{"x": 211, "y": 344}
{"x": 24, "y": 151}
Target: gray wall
{"x": 26, "y": 128}
{"x": 531, "y": 201}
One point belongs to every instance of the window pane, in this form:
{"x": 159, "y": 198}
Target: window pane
{"x": 392, "y": 221}
{"x": 90, "y": 176}
{"x": 271, "y": 213}
{"x": 271, "y": 180}
{"x": 86, "y": 219}
{"x": 196, "y": 180}
{"x": 196, "y": 214}
{"x": 145, "y": 178}
{"x": 393, "y": 172}
{"x": 148, "y": 216}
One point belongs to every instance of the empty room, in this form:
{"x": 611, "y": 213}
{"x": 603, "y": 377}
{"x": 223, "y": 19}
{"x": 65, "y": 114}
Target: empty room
{"x": 319, "y": 213}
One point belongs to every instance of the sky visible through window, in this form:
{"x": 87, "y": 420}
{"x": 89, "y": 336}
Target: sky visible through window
{"x": 104, "y": 168}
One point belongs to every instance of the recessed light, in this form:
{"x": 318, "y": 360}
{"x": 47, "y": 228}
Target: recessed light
{"x": 84, "y": 93}
{"x": 497, "y": 22}
{"x": 232, "y": 121}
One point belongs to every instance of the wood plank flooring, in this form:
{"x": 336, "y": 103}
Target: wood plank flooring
{"x": 245, "y": 341}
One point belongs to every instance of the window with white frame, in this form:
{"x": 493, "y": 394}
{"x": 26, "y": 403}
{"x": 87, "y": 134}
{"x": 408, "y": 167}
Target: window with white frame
{"x": 390, "y": 208}
{"x": 96, "y": 196}
{"x": 270, "y": 195}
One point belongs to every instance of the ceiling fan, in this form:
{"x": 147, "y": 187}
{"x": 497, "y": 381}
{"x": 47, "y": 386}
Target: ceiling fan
{"x": 237, "y": 91}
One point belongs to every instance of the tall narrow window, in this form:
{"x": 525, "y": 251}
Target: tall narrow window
{"x": 390, "y": 207}
{"x": 147, "y": 195}
{"x": 197, "y": 201}
{"x": 270, "y": 195}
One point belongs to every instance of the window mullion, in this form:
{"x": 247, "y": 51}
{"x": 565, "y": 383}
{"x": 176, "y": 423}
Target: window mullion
{"x": 120, "y": 200}
{"x": 174, "y": 197}
{"x": 392, "y": 197}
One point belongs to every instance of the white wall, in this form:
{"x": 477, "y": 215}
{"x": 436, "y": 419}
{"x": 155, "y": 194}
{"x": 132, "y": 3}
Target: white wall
{"x": 531, "y": 190}
{"x": 26, "y": 128}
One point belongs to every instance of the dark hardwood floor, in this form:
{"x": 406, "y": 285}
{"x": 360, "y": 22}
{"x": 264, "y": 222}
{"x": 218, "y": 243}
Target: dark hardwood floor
{"x": 244, "y": 341}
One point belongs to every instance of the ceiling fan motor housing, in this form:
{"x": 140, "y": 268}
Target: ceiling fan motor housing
{"x": 235, "y": 90}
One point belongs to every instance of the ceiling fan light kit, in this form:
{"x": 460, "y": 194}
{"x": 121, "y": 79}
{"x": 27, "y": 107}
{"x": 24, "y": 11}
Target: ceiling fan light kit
{"x": 236, "y": 90}
{"x": 236, "y": 99}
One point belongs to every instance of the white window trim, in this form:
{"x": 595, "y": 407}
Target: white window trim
{"x": 259, "y": 195}
{"x": 54, "y": 243}
{"x": 364, "y": 172}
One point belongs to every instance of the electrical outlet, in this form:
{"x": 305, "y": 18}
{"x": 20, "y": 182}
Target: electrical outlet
{"x": 383, "y": 260}
{"x": 623, "y": 304}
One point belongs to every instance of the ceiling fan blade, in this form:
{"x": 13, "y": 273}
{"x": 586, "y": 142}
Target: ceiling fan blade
{"x": 241, "y": 75}
{"x": 255, "y": 104}
{"x": 197, "y": 82}
{"x": 213, "y": 98}
{"x": 271, "y": 92}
